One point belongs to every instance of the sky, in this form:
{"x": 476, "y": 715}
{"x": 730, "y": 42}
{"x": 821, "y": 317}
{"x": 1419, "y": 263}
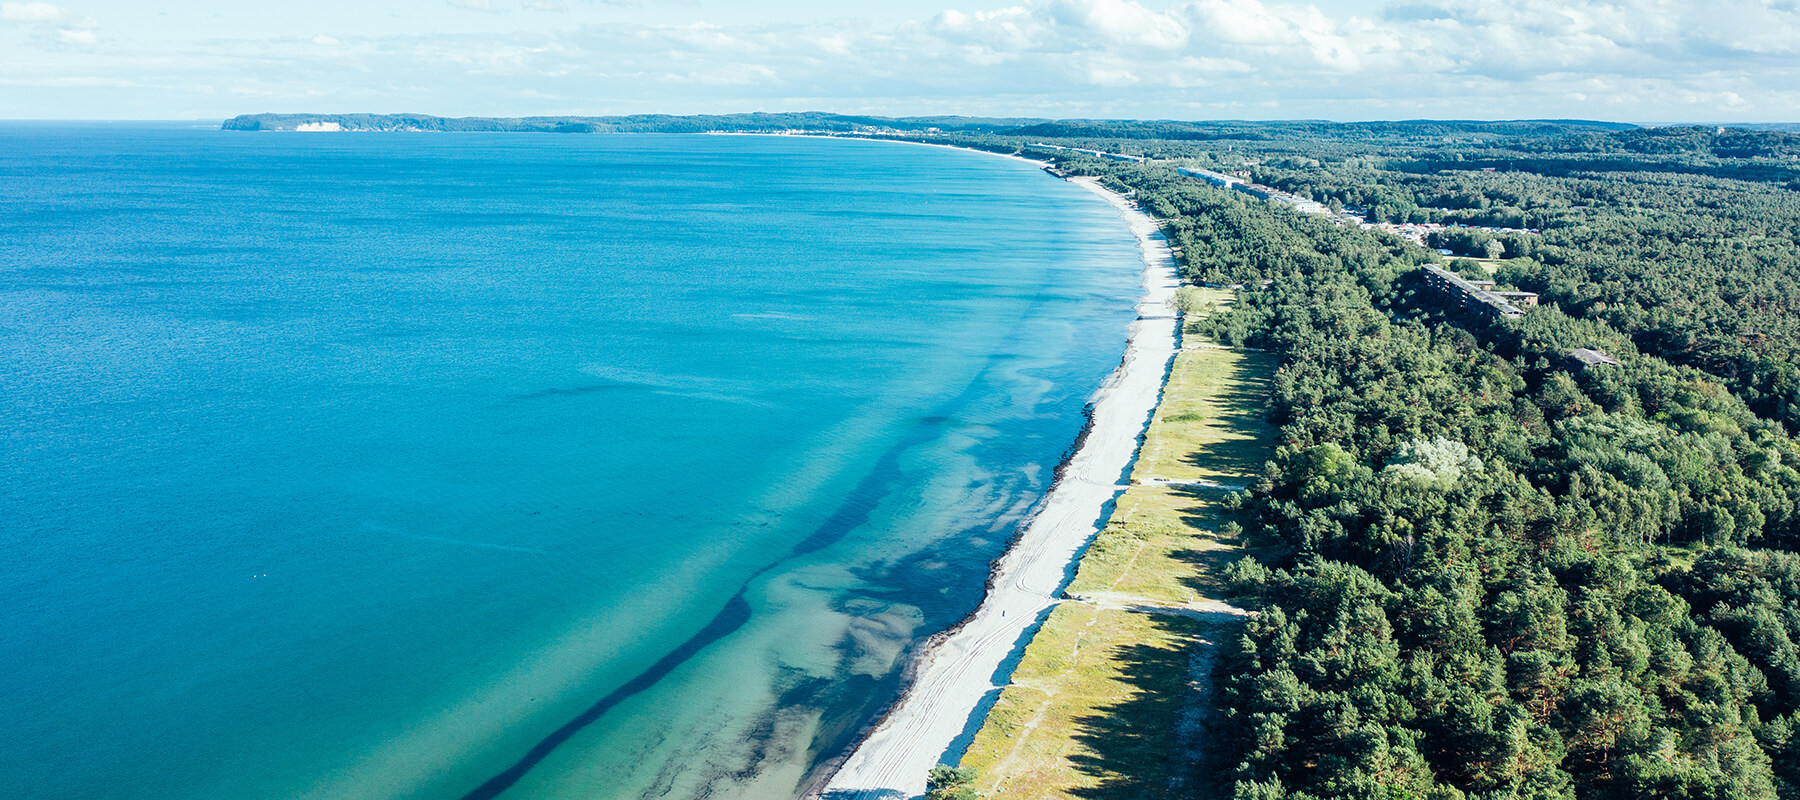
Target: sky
{"x": 1660, "y": 61}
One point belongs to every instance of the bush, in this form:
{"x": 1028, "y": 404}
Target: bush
{"x": 950, "y": 783}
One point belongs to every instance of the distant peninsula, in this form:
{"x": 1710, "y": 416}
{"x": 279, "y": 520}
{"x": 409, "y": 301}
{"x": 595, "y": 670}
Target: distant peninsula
{"x": 822, "y": 122}
{"x": 636, "y": 123}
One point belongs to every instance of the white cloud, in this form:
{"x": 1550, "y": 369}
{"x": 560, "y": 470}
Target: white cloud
{"x": 833, "y": 44}
{"x": 1121, "y": 22}
{"x": 1631, "y": 59}
{"x": 55, "y": 27}
{"x": 545, "y": 5}
{"x": 1010, "y": 29}
{"x": 71, "y": 82}
{"x": 33, "y": 12}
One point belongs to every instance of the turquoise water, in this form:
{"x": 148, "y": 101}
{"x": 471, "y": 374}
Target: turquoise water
{"x": 521, "y": 466}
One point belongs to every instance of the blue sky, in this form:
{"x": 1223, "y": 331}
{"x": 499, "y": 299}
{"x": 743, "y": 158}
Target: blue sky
{"x": 1632, "y": 60}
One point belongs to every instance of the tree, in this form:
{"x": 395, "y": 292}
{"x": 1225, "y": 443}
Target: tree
{"x": 950, "y": 783}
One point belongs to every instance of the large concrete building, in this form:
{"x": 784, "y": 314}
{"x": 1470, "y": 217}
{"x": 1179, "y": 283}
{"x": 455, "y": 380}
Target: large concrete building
{"x": 1478, "y": 296}
{"x": 1218, "y": 179}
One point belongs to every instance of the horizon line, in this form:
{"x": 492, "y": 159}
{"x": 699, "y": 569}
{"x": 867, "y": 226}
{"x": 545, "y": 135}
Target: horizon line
{"x": 212, "y": 119}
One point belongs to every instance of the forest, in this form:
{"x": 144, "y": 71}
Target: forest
{"x": 1685, "y": 240}
{"x": 1688, "y": 248}
{"x": 1482, "y": 568}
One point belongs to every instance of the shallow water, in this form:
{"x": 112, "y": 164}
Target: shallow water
{"x": 520, "y": 466}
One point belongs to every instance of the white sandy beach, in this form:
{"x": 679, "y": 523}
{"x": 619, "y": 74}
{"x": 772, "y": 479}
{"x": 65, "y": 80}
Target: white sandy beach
{"x": 955, "y": 672}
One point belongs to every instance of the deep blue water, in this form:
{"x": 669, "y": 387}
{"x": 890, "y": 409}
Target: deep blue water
{"x": 522, "y": 466}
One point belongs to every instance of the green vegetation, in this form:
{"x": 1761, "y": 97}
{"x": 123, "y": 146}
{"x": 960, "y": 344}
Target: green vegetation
{"x": 1684, "y": 240}
{"x": 950, "y": 783}
{"x": 1091, "y": 710}
{"x": 1480, "y": 568}
{"x": 1680, "y": 253}
{"x": 1484, "y": 574}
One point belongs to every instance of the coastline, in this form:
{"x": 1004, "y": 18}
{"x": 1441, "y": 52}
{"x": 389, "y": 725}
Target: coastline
{"x": 1036, "y": 162}
{"x": 953, "y": 677}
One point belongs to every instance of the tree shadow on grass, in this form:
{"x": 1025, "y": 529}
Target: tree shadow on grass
{"x": 1134, "y": 747}
{"x": 1243, "y": 409}
{"x": 1202, "y": 514}
{"x": 1208, "y": 576}
{"x": 1200, "y": 508}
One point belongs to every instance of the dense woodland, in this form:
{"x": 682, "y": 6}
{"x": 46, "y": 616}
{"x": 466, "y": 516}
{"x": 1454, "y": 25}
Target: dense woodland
{"x": 1698, "y": 270}
{"x": 1482, "y": 569}
{"x": 1685, "y": 240}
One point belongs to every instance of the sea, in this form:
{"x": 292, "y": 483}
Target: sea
{"x": 468, "y": 466}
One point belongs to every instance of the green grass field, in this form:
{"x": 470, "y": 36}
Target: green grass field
{"x": 1091, "y": 710}
{"x": 1104, "y": 702}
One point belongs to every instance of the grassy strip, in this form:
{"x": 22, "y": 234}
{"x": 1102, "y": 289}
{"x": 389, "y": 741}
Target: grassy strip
{"x": 1098, "y": 703}
{"x": 1091, "y": 709}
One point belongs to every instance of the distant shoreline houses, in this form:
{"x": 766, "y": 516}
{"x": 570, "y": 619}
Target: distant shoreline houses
{"x": 1416, "y": 232}
{"x": 1256, "y": 190}
{"x": 1086, "y": 152}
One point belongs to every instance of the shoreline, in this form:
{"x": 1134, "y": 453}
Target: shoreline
{"x": 950, "y": 681}
{"x": 1037, "y": 162}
